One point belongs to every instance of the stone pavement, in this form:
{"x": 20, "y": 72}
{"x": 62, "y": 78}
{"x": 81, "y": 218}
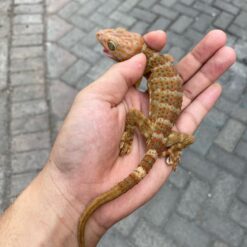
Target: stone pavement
{"x": 48, "y": 52}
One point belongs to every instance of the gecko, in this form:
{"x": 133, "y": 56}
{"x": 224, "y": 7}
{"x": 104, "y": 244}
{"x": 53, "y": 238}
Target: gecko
{"x": 165, "y": 102}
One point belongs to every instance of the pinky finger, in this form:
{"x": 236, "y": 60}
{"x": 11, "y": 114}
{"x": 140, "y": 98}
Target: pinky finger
{"x": 194, "y": 113}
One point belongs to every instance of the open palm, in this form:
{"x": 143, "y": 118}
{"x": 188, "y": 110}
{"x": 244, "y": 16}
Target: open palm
{"x": 86, "y": 153}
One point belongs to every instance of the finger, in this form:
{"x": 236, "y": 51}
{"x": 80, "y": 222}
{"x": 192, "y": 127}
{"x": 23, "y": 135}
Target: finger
{"x": 155, "y": 39}
{"x": 192, "y": 62}
{"x": 209, "y": 73}
{"x": 192, "y": 116}
{"x": 114, "y": 84}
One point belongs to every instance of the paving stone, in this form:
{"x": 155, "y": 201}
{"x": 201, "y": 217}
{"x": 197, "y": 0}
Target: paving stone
{"x": 235, "y": 87}
{"x": 108, "y": 6}
{"x": 243, "y": 190}
{"x": 224, "y": 189}
{"x": 28, "y": 29}
{"x": 160, "y": 24}
{"x": 193, "y": 198}
{"x": 29, "y": 9}
{"x": 179, "y": 178}
{"x": 216, "y": 118}
{"x": 62, "y": 97}
{"x": 29, "y": 161}
{"x": 143, "y": 15}
{"x": 99, "y": 68}
{"x": 223, "y": 228}
{"x": 146, "y": 235}
{"x": 88, "y": 7}
{"x": 167, "y": 13}
{"x": 241, "y": 19}
{"x": 139, "y": 27}
{"x": 126, "y": 6}
{"x": 123, "y": 18}
{"x": 219, "y": 244}
{"x": 4, "y": 25}
{"x": 26, "y": 52}
{"x": 32, "y": 141}
{"x": 181, "y": 24}
{"x": 168, "y": 3}
{"x": 226, "y": 7}
{"x": 28, "y": 19}
{"x": 69, "y": 9}
{"x": 199, "y": 165}
{"x": 185, "y": 10}
{"x": 84, "y": 52}
{"x": 226, "y": 160}
{"x": 25, "y": 40}
{"x": 19, "y": 182}
{"x": 90, "y": 39}
{"x": 75, "y": 72}
{"x": 223, "y": 20}
{"x": 82, "y": 22}
{"x": 201, "y": 23}
{"x": 230, "y": 135}
{"x": 205, "y": 136}
{"x": 54, "y": 5}
{"x": 26, "y": 108}
{"x": 58, "y": 60}
{"x": 194, "y": 36}
{"x": 176, "y": 40}
{"x": 27, "y": 77}
{"x": 29, "y": 124}
{"x": 161, "y": 207}
{"x": 28, "y": 93}
{"x": 114, "y": 239}
{"x": 27, "y": 64}
{"x": 206, "y": 8}
{"x": 176, "y": 52}
{"x": 71, "y": 38}
{"x": 56, "y": 28}
{"x": 187, "y": 2}
{"x": 3, "y": 122}
{"x": 27, "y": 1}
{"x": 147, "y": 4}
{"x": 126, "y": 226}
{"x": 102, "y": 20}
{"x": 186, "y": 232}
{"x": 241, "y": 149}
{"x": 238, "y": 213}
{"x": 3, "y": 62}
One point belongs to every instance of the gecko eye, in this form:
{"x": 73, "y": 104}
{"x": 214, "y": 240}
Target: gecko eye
{"x": 111, "y": 45}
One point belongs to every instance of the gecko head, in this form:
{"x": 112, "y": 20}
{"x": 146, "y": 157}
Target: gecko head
{"x": 120, "y": 44}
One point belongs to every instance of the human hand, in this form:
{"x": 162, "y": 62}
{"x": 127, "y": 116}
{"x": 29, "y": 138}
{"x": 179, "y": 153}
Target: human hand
{"x": 85, "y": 158}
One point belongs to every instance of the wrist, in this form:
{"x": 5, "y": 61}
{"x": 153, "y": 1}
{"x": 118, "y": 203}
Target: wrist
{"x": 40, "y": 216}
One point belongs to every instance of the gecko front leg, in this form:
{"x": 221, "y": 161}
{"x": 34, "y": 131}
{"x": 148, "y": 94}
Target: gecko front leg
{"x": 175, "y": 143}
{"x": 134, "y": 119}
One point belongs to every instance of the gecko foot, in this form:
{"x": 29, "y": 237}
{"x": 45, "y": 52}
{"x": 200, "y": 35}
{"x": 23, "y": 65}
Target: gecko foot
{"x": 172, "y": 158}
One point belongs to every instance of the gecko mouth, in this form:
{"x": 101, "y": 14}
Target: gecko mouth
{"x": 107, "y": 53}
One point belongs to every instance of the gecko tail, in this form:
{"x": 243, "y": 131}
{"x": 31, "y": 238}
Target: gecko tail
{"x": 129, "y": 182}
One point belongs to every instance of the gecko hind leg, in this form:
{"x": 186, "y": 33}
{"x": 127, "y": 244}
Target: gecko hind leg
{"x": 175, "y": 143}
{"x": 134, "y": 119}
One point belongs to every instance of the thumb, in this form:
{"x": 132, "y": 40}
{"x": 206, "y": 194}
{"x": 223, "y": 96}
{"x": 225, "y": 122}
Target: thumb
{"x": 114, "y": 84}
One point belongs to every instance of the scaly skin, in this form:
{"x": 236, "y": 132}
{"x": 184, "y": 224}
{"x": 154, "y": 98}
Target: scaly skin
{"x": 165, "y": 98}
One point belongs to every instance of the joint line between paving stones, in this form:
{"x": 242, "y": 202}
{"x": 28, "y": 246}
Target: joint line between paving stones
{"x": 8, "y": 168}
{"x": 44, "y": 17}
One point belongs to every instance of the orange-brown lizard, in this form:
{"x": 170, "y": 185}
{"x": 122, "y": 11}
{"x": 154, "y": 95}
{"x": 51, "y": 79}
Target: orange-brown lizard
{"x": 165, "y": 100}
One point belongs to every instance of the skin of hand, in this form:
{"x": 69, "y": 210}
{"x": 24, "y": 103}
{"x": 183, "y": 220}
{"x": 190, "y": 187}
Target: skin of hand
{"x": 85, "y": 162}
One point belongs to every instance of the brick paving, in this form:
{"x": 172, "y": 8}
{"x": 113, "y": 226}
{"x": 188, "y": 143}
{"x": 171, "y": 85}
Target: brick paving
{"x": 48, "y": 53}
